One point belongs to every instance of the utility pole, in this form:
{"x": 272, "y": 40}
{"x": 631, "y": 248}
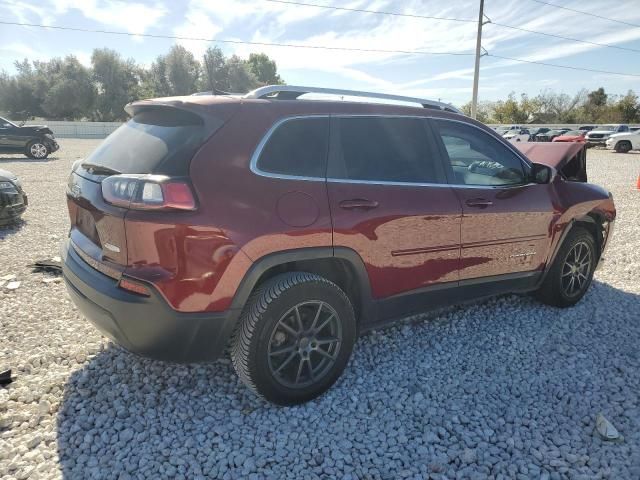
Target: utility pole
{"x": 476, "y": 74}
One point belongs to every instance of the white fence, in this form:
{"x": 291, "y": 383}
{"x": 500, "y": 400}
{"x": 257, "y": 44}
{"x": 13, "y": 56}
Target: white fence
{"x": 80, "y": 129}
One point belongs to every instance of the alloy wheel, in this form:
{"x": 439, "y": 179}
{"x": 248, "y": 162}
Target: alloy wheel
{"x": 576, "y": 269}
{"x": 38, "y": 150}
{"x": 304, "y": 344}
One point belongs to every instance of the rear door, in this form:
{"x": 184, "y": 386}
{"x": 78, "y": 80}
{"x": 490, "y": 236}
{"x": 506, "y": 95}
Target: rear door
{"x": 507, "y": 220}
{"x": 390, "y": 202}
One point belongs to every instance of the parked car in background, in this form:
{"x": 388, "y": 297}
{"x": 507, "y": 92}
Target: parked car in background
{"x": 507, "y": 128}
{"x": 599, "y": 135}
{"x": 283, "y": 228}
{"x": 520, "y": 135}
{"x": 586, "y": 128}
{"x": 537, "y": 131}
{"x": 634, "y": 129}
{"x": 571, "y": 136}
{"x": 35, "y": 141}
{"x": 624, "y": 142}
{"x": 551, "y": 134}
{"x": 13, "y": 200}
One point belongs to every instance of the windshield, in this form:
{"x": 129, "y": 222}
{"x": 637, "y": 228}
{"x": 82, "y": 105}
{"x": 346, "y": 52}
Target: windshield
{"x": 159, "y": 141}
{"x": 4, "y": 120}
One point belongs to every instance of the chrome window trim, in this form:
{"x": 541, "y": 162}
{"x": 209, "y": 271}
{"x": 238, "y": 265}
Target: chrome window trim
{"x": 253, "y": 166}
{"x": 417, "y": 184}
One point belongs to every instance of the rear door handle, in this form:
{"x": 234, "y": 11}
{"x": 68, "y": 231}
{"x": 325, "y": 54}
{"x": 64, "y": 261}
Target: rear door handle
{"x": 358, "y": 203}
{"x": 479, "y": 202}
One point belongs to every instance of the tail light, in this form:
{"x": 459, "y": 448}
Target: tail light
{"x": 148, "y": 192}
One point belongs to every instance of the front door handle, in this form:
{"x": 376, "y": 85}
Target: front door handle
{"x": 479, "y": 202}
{"x": 358, "y": 203}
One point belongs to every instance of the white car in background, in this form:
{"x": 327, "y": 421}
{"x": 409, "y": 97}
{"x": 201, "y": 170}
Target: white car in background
{"x": 599, "y": 135}
{"x": 519, "y": 135}
{"x": 624, "y": 142}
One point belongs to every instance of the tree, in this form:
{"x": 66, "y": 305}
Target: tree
{"x": 65, "y": 89}
{"x": 182, "y": 71}
{"x": 628, "y": 107}
{"x": 71, "y": 93}
{"x": 215, "y": 75}
{"x": 116, "y": 81}
{"x": 264, "y": 69}
{"x": 241, "y": 80}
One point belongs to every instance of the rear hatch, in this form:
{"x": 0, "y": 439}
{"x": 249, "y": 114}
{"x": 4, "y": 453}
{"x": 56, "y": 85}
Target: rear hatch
{"x": 153, "y": 149}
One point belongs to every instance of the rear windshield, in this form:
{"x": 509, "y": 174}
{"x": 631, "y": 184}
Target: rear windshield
{"x": 161, "y": 141}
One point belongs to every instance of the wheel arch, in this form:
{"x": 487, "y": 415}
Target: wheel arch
{"x": 341, "y": 265}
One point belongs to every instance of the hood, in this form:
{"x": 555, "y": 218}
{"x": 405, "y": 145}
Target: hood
{"x": 7, "y": 175}
{"x": 36, "y": 128}
{"x": 568, "y": 158}
{"x": 569, "y": 138}
{"x": 607, "y": 132}
{"x": 621, "y": 134}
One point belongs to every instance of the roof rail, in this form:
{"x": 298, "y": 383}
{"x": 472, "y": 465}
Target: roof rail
{"x": 291, "y": 92}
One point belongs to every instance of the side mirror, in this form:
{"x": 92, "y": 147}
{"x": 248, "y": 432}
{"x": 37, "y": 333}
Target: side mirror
{"x": 542, "y": 173}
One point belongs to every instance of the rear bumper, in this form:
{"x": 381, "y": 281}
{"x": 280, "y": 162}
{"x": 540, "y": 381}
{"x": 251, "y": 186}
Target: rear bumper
{"x": 144, "y": 325}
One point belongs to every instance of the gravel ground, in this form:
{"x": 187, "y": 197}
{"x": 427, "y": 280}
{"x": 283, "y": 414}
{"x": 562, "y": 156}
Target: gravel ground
{"x": 503, "y": 389}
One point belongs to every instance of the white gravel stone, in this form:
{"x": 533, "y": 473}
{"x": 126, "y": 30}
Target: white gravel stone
{"x": 507, "y": 388}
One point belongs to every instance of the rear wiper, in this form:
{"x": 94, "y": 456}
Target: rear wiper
{"x": 99, "y": 169}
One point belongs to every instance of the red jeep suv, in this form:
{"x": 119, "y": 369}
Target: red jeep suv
{"x": 282, "y": 227}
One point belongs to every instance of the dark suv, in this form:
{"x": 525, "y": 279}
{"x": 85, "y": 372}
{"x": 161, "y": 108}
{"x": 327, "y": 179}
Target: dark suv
{"x": 35, "y": 141}
{"x": 282, "y": 228}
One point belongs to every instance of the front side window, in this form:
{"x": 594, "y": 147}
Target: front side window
{"x": 297, "y": 147}
{"x": 477, "y": 158}
{"x": 383, "y": 149}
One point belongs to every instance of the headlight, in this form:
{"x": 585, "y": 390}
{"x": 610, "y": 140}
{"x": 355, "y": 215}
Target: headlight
{"x": 8, "y": 186}
{"x": 49, "y": 136}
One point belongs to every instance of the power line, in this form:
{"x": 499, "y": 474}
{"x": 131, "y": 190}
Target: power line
{"x": 586, "y": 13}
{"x": 512, "y": 27}
{"x": 521, "y": 60}
{"x": 239, "y": 42}
{"x": 563, "y": 37}
{"x": 313, "y": 47}
{"x": 378, "y": 12}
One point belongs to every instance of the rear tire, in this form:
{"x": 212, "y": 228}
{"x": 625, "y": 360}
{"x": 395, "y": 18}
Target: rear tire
{"x": 36, "y": 150}
{"x": 572, "y": 271}
{"x": 294, "y": 339}
{"x": 623, "y": 146}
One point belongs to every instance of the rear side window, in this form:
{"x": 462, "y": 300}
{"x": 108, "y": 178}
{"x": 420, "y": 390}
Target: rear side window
{"x": 297, "y": 147}
{"x": 383, "y": 149}
{"x": 159, "y": 141}
{"x": 477, "y": 158}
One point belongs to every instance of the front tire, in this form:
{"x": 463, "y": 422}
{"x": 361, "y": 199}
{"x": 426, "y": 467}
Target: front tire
{"x": 295, "y": 337}
{"x": 36, "y": 150}
{"x": 572, "y": 271}
{"x": 623, "y": 146}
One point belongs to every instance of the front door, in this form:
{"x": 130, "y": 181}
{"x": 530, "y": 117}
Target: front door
{"x": 390, "y": 202}
{"x": 506, "y": 222}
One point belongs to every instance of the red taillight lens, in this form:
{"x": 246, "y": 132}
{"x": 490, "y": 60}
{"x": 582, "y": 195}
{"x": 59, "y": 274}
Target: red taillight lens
{"x": 148, "y": 192}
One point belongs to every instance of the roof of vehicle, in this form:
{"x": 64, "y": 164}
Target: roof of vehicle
{"x": 286, "y": 98}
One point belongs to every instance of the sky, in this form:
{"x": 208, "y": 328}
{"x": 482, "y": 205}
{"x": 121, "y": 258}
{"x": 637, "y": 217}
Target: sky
{"x": 447, "y": 78}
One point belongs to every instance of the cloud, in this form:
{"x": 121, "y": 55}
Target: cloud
{"x": 130, "y": 16}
